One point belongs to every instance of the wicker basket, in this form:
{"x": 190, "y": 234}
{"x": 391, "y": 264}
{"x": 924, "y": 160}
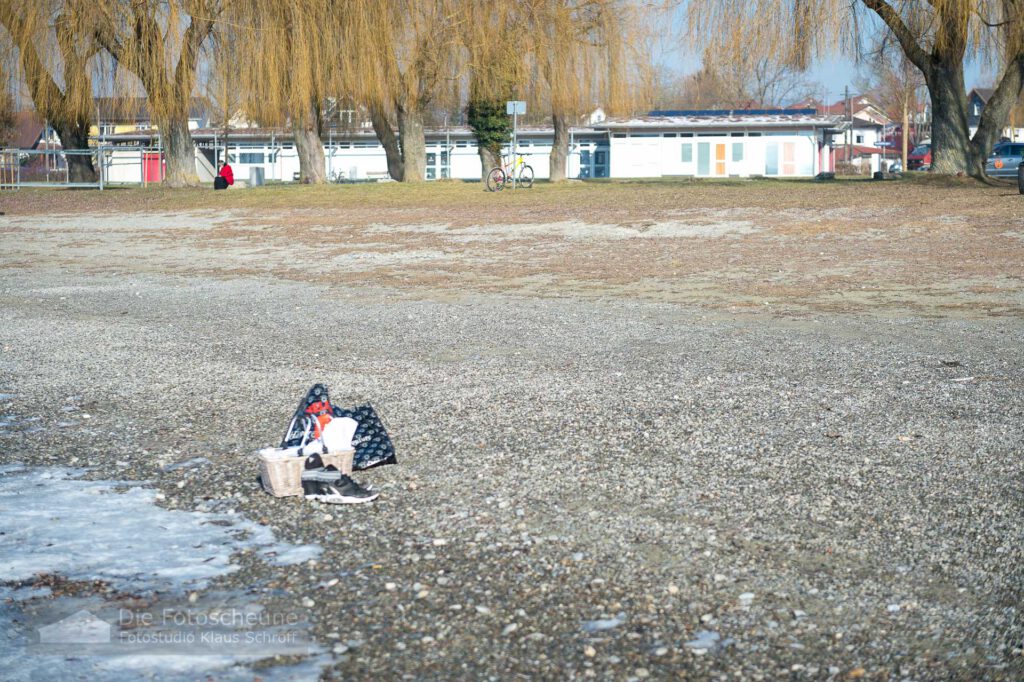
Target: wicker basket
{"x": 281, "y": 471}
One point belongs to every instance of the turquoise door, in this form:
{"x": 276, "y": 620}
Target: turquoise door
{"x": 703, "y": 158}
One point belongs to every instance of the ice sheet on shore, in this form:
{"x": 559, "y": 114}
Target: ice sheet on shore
{"x": 54, "y": 522}
{"x": 51, "y": 521}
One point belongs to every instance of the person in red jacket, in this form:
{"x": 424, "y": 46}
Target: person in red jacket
{"x": 228, "y": 177}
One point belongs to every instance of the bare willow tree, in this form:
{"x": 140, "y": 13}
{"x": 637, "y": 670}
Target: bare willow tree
{"x": 296, "y": 56}
{"x": 159, "y": 41}
{"x": 412, "y": 60}
{"x": 493, "y": 38}
{"x": 585, "y": 54}
{"x": 54, "y": 48}
{"x": 220, "y": 81}
{"x": 936, "y": 37}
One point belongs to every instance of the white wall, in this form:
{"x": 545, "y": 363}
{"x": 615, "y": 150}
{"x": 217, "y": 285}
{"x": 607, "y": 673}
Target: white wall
{"x": 637, "y": 155}
{"x": 645, "y": 156}
{"x": 122, "y": 166}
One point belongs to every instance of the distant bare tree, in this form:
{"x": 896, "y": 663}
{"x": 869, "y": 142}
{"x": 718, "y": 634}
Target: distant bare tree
{"x": 896, "y": 83}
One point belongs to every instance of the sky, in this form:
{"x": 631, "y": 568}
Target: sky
{"x": 833, "y": 73}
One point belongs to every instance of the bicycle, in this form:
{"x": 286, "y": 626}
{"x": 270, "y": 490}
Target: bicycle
{"x": 518, "y": 169}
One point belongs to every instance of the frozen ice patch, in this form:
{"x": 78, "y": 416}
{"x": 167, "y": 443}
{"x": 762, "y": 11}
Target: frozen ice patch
{"x": 51, "y": 521}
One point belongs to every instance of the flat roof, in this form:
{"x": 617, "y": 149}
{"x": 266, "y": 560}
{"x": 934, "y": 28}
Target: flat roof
{"x": 725, "y": 120}
{"x": 338, "y": 135}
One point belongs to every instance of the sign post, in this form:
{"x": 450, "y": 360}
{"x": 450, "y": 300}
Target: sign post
{"x": 514, "y": 108}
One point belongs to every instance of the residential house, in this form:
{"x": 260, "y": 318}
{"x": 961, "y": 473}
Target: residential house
{"x": 34, "y": 138}
{"x": 864, "y": 142}
{"x": 32, "y": 133}
{"x": 977, "y": 98}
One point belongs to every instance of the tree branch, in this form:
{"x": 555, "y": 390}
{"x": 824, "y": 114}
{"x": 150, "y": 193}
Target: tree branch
{"x": 908, "y": 41}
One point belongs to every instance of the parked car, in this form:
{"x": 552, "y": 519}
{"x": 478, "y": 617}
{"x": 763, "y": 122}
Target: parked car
{"x": 1004, "y": 159}
{"x": 921, "y": 157}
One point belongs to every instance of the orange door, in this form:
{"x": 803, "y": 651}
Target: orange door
{"x": 719, "y": 159}
{"x": 788, "y": 158}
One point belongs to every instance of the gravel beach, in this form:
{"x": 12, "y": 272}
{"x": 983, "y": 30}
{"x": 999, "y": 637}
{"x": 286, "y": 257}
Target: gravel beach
{"x": 594, "y": 479}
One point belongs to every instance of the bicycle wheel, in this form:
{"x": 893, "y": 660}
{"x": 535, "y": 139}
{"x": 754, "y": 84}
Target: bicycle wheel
{"x": 526, "y": 177}
{"x": 496, "y": 180}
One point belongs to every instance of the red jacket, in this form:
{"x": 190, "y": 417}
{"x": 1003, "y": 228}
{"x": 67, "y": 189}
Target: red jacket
{"x": 227, "y": 174}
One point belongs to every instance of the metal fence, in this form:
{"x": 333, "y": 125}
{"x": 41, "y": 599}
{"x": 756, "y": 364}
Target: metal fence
{"x": 49, "y": 167}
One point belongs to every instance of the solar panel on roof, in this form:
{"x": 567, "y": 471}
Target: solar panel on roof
{"x": 733, "y": 112}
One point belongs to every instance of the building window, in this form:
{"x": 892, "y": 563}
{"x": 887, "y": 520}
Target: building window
{"x": 736, "y": 134}
{"x": 859, "y": 139}
{"x": 670, "y": 134}
{"x": 737, "y": 151}
{"x": 250, "y": 157}
{"x": 687, "y": 153}
{"x": 977, "y": 109}
{"x": 461, "y": 143}
{"x": 618, "y": 134}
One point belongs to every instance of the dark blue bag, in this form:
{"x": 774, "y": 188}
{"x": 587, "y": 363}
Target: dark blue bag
{"x": 371, "y": 442}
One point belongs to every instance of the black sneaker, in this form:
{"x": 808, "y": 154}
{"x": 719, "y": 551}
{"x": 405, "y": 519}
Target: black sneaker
{"x": 328, "y": 484}
{"x": 330, "y": 488}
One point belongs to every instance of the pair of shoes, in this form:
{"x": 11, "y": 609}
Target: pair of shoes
{"x": 329, "y": 485}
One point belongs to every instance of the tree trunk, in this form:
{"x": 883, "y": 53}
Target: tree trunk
{"x": 559, "y": 148}
{"x": 179, "y": 152}
{"x": 951, "y": 144}
{"x": 996, "y": 111}
{"x": 487, "y": 161}
{"x": 414, "y": 145}
{"x": 388, "y": 139}
{"x": 310, "y": 148}
{"x": 75, "y": 136}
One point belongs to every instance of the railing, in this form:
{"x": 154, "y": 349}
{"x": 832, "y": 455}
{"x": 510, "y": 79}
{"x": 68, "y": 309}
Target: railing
{"x": 50, "y": 167}
{"x": 45, "y": 168}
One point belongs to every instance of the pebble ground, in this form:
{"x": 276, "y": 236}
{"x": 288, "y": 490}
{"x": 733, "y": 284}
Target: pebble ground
{"x": 586, "y": 487}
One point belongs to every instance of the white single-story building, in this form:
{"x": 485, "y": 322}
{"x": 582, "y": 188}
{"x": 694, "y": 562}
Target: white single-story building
{"x": 722, "y": 144}
{"x": 688, "y": 144}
